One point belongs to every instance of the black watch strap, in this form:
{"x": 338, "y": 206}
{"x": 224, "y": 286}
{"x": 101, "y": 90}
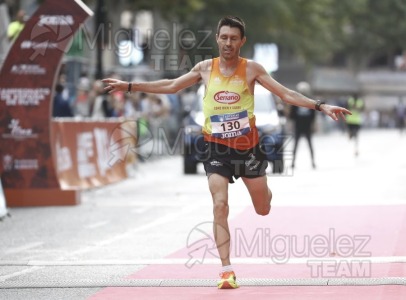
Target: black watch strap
{"x": 318, "y": 104}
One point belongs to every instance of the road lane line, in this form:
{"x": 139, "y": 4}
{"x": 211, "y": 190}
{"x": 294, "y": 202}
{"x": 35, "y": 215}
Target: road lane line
{"x": 96, "y": 225}
{"x": 23, "y": 248}
{"x": 373, "y": 281}
{"x": 22, "y": 272}
{"x": 208, "y": 261}
{"x": 158, "y": 222}
{"x": 161, "y": 221}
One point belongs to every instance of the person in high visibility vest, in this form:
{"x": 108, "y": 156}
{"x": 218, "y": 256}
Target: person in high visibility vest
{"x": 354, "y": 121}
{"x": 16, "y": 26}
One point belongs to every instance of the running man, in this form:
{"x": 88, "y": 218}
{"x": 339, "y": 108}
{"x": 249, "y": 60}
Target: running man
{"x": 229, "y": 128}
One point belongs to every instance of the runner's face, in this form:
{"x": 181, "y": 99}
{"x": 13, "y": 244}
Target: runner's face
{"x": 229, "y": 42}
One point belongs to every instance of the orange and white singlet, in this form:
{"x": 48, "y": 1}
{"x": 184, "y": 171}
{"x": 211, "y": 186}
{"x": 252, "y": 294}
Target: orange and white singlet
{"x": 228, "y": 108}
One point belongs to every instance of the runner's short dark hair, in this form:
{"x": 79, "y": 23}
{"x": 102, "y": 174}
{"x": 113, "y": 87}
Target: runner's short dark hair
{"x": 232, "y": 22}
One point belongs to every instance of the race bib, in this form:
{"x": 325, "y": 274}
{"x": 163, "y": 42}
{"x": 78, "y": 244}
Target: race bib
{"x": 230, "y": 125}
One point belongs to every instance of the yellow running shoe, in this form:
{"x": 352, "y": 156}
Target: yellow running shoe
{"x": 227, "y": 281}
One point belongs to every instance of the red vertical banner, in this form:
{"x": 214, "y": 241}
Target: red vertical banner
{"x": 27, "y": 80}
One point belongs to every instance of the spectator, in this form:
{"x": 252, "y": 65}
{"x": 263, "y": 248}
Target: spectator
{"x": 354, "y": 121}
{"x": 400, "y": 114}
{"x": 304, "y": 123}
{"x": 118, "y": 103}
{"x": 82, "y": 99}
{"x": 15, "y": 27}
{"x": 159, "y": 108}
{"x": 61, "y": 107}
{"x": 101, "y": 106}
{"x": 143, "y": 125}
{"x": 174, "y": 120}
{"x": 130, "y": 106}
{"x": 188, "y": 98}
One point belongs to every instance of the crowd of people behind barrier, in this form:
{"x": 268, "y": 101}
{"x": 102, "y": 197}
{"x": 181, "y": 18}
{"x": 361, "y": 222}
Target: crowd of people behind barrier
{"x": 159, "y": 111}
{"x": 160, "y": 114}
{"x": 166, "y": 111}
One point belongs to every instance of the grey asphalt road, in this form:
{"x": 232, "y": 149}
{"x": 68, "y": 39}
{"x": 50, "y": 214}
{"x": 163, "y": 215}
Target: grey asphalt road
{"x": 119, "y": 229}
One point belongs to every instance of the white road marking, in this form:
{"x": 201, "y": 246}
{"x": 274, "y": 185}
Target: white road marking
{"x": 96, "y": 225}
{"x": 158, "y": 222}
{"x": 183, "y": 282}
{"x": 208, "y": 261}
{"x": 22, "y": 272}
{"x": 25, "y": 271}
{"x": 23, "y": 248}
{"x": 140, "y": 210}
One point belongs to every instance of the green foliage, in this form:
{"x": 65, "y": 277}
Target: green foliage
{"x": 318, "y": 30}
{"x": 315, "y": 30}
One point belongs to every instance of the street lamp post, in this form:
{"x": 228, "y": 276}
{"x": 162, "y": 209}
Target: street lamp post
{"x": 100, "y": 21}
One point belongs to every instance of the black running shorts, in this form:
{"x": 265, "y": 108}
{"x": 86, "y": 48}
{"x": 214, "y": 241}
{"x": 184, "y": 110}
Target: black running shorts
{"x": 353, "y": 130}
{"x": 230, "y": 162}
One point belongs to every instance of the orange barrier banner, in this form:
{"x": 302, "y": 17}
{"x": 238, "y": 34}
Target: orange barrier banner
{"x": 89, "y": 154}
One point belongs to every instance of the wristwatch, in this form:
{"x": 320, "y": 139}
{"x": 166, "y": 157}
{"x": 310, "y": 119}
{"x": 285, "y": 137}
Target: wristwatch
{"x": 318, "y": 104}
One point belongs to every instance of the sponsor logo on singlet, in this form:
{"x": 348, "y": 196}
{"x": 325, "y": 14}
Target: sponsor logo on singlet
{"x": 226, "y": 97}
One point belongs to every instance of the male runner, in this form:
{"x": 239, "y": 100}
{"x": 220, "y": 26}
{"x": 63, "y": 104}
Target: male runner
{"x": 229, "y": 128}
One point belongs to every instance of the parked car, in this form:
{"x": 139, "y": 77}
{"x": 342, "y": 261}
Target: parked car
{"x": 269, "y": 121}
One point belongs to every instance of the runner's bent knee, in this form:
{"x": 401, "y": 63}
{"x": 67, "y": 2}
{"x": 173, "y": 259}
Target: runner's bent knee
{"x": 263, "y": 206}
{"x": 264, "y": 209}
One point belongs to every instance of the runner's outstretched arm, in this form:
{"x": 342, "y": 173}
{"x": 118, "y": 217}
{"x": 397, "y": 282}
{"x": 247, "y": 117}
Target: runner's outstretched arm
{"x": 164, "y": 86}
{"x": 293, "y": 97}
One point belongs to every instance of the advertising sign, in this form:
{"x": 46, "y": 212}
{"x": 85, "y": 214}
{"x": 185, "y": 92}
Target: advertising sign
{"x": 27, "y": 80}
{"x": 91, "y": 154}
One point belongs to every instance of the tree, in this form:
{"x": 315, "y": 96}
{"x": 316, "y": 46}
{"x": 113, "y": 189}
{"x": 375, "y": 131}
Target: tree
{"x": 346, "y": 32}
{"x": 372, "y": 29}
